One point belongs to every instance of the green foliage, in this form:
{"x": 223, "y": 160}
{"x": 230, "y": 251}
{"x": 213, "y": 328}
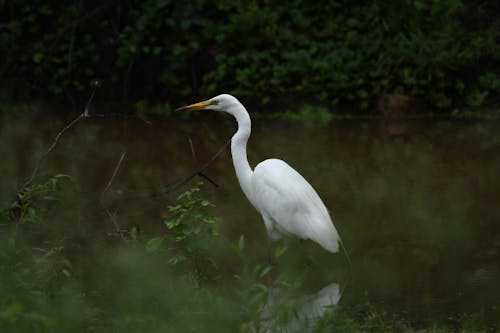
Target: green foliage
{"x": 442, "y": 52}
{"x": 190, "y": 230}
{"x": 416, "y": 48}
{"x": 37, "y": 276}
{"x": 308, "y": 114}
{"x": 25, "y": 209}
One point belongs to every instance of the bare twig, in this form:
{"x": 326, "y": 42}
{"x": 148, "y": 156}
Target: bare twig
{"x": 193, "y": 153}
{"x": 211, "y": 181}
{"x": 112, "y": 217}
{"x": 86, "y": 111}
{"x": 200, "y": 173}
{"x": 115, "y": 172}
{"x": 52, "y": 146}
{"x": 58, "y": 136}
{"x": 174, "y": 185}
{"x": 166, "y": 188}
{"x": 99, "y": 115}
{"x": 214, "y": 157}
{"x": 84, "y": 114}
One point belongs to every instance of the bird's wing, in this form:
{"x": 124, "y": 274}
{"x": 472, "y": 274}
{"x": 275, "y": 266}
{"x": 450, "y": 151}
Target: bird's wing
{"x": 284, "y": 196}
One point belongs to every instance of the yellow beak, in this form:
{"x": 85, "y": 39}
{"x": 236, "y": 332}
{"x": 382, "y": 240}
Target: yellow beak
{"x": 195, "y": 106}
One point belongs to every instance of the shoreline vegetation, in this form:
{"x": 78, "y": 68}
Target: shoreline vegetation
{"x": 315, "y": 114}
{"x": 438, "y": 55}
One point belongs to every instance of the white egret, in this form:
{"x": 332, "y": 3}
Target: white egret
{"x": 288, "y": 203}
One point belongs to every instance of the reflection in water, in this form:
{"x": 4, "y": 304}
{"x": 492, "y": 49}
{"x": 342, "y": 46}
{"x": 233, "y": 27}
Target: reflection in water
{"x": 283, "y": 313}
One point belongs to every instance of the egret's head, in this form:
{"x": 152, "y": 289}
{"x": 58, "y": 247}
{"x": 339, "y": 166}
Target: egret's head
{"x": 222, "y": 102}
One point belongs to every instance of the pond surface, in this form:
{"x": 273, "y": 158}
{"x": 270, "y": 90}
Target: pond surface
{"x": 415, "y": 202}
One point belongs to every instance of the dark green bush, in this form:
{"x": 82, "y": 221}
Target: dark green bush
{"x": 350, "y": 53}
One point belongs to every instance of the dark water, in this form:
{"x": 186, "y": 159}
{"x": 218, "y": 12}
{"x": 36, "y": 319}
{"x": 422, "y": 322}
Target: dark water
{"x": 415, "y": 202}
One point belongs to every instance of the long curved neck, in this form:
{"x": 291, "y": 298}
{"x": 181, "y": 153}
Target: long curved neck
{"x": 239, "y": 149}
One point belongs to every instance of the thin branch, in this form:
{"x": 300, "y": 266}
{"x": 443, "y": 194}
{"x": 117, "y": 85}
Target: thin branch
{"x": 211, "y": 181}
{"x": 86, "y": 111}
{"x": 84, "y": 114}
{"x": 193, "y": 153}
{"x": 201, "y": 174}
{"x": 112, "y": 217}
{"x": 115, "y": 172}
{"x": 174, "y": 185}
{"x": 52, "y": 146}
{"x": 169, "y": 187}
{"x": 58, "y": 136}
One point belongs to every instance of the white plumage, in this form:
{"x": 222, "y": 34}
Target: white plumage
{"x": 290, "y": 206}
{"x": 288, "y": 203}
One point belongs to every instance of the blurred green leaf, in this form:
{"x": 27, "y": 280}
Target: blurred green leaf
{"x": 154, "y": 244}
{"x": 241, "y": 243}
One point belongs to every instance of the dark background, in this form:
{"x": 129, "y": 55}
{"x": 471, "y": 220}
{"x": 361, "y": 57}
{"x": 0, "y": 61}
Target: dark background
{"x": 441, "y": 54}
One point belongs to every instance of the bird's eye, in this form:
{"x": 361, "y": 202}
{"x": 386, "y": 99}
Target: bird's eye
{"x": 214, "y": 102}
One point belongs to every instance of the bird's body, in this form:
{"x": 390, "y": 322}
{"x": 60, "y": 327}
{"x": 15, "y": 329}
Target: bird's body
{"x": 287, "y": 202}
{"x": 290, "y": 206}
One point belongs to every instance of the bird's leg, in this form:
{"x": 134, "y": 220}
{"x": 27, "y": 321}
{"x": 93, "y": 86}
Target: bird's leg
{"x": 269, "y": 262}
